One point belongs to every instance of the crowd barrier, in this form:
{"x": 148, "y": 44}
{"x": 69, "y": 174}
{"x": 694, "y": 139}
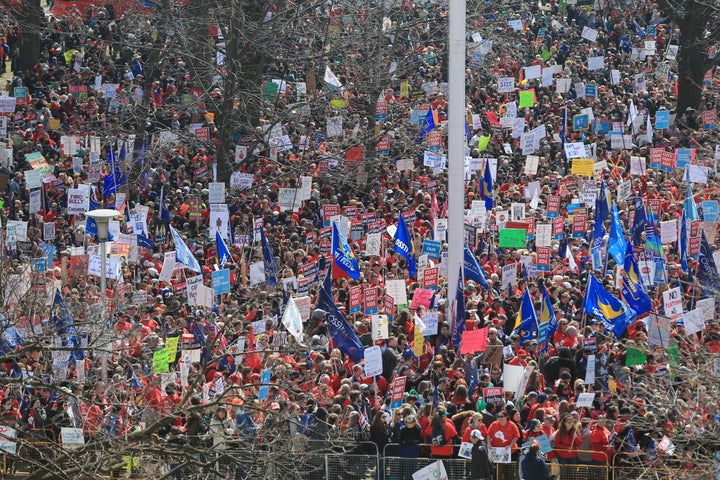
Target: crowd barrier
{"x": 312, "y": 464}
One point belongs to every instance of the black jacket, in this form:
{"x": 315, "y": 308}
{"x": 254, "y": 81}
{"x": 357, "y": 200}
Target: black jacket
{"x": 480, "y": 464}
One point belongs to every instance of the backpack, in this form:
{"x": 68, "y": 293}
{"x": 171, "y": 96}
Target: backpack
{"x": 438, "y": 437}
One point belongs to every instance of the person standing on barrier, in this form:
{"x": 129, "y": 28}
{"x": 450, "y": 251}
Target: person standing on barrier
{"x": 533, "y": 466}
{"x": 480, "y": 468}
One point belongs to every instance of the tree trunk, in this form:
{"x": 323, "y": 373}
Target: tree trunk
{"x": 31, "y": 23}
{"x": 692, "y": 66}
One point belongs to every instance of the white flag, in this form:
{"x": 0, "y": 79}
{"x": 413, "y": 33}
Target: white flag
{"x": 571, "y": 260}
{"x": 331, "y": 79}
{"x": 434, "y": 471}
{"x": 293, "y": 320}
{"x": 649, "y": 131}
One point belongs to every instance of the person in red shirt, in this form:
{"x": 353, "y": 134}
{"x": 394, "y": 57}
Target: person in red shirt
{"x": 503, "y": 433}
{"x": 567, "y": 440}
{"x": 602, "y": 449}
{"x": 441, "y": 433}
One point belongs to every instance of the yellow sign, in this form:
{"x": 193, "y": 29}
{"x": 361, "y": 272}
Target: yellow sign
{"x": 583, "y": 166}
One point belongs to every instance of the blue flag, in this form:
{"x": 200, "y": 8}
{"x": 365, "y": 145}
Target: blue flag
{"x": 683, "y": 243}
{"x": 429, "y": 125}
{"x": 63, "y": 323}
{"x": 459, "y": 312}
{"x": 689, "y": 207}
{"x": 526, "y": 322}
{"x": 472, "y": 269}
{"x": 487, "y": 187}
{"x": 182, "y": 252}
{"x": 340, "y": 330}
{"x": 617, "y": 245}
{"x": 639, "y": 221}
{"x": 563, "y": 128}
{"x": 548, "y": 321}
{"x": 707, "y": 272}
{"x": 604, "y": 207}
{"x": 144, "y": 241}
{"x": 164, "y": 212}
{"x": 632, "y": 289}
{"x": 344, "y": 261}
{"x": 606, "y": 308}
{"x": 268, "y": 258}
{"x": 597, "y": 237}
{"x": 222, "y": 254}
{"x": 404, "y": 245}
{"x": 115, "y": 177}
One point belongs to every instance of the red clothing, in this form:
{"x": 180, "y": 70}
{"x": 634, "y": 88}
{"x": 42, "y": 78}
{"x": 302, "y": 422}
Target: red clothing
{"x": 566, "y": 446}
{"x": 445, "y": 450}
{"x": 600, "y": 445}
{"x": 503, "y": 435}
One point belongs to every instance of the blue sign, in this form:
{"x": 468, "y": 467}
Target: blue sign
{"x": 683, "y": 156}
{"x": 710, "y": 210}
{"x": 602, "y": 127}
{"x": 580, "y": 122}
{"x": 432, "y": 248}
{"x": 264, "y": 384}
{"x": 591, "y": 91}
{"x": 221, "y": 281}
{"x": 662, "y": 119}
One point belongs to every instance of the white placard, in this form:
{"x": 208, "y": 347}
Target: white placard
{"x": 216, "y": 192}
{"x": 32, "y": 179}
{"x": 398, "y": 290}
{"x": 668, "y": 231}
{"x": 596, "y": 63}
{"x": 589, "y": 34}
{"x": 380, "y": 330}
{"x": 373, "y": 361}
{"x": 672, "y": 303}
{"x": 694, "y": 322}
{"x": 590, "y": 371}
{"x": 585, "y": 399}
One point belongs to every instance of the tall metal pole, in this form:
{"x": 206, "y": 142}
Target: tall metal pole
{"x": 103, "y": 308}
{"x": 456, "y": 142}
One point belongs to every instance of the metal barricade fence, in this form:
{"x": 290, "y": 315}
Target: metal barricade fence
{"x": 637, "y": 465}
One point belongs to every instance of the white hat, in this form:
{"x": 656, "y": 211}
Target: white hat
{"x": 476, "y": 433}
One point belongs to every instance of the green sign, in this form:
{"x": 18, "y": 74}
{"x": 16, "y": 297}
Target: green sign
{"x": 513, "y": 237}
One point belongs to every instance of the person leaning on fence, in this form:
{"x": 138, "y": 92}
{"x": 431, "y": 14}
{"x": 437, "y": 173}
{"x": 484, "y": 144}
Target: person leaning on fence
{"x": 442, "y": 434}
{"x": 480, "y": 468}
{"x": 602, "y": 449}
{"x": 533, "y": 466}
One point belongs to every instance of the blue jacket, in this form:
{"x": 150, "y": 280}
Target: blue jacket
{"x": 534, "y": 468}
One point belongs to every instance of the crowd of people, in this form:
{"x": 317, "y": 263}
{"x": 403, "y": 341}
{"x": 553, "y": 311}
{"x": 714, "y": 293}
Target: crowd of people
{"x": 227, "y": 369}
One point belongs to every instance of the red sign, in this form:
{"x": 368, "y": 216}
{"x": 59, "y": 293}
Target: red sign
{"x": 655, "y": 205}
{"x": 519, "y": 225}
{"x": 389, "y": 305}
{"x": 668, "y": 160}
{"x": 694, "y": 246}
{"x": 579, "y": 224}
{"x": 370, "y": 298}
{"x": 350, "y": 211}
{"x": 431, "y": 277}
{"x": 558, "y": 226}
{"x": 656, "y": 155}
{"x": 203, "y": 134}
{"x": 553, "y": 204}
{"x": 493, "y": 394}
{"x": 383, "y": 145}
{"x": 398, "y": 391}
{"x": 530, "y": 222}
{"x": 330, "y": 211}
{"x": 355, "y": 299}
{"x": 695, "y": 228}
{"x": 543, "y": 257}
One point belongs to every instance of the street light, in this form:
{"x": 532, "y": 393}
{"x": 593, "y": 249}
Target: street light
{"x": 102, "y": 218}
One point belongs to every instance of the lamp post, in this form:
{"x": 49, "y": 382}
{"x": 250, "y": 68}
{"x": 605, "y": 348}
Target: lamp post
{"x": 102, "y": 218}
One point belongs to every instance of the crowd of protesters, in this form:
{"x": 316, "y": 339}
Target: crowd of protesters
{"x": 317, "y": 398}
